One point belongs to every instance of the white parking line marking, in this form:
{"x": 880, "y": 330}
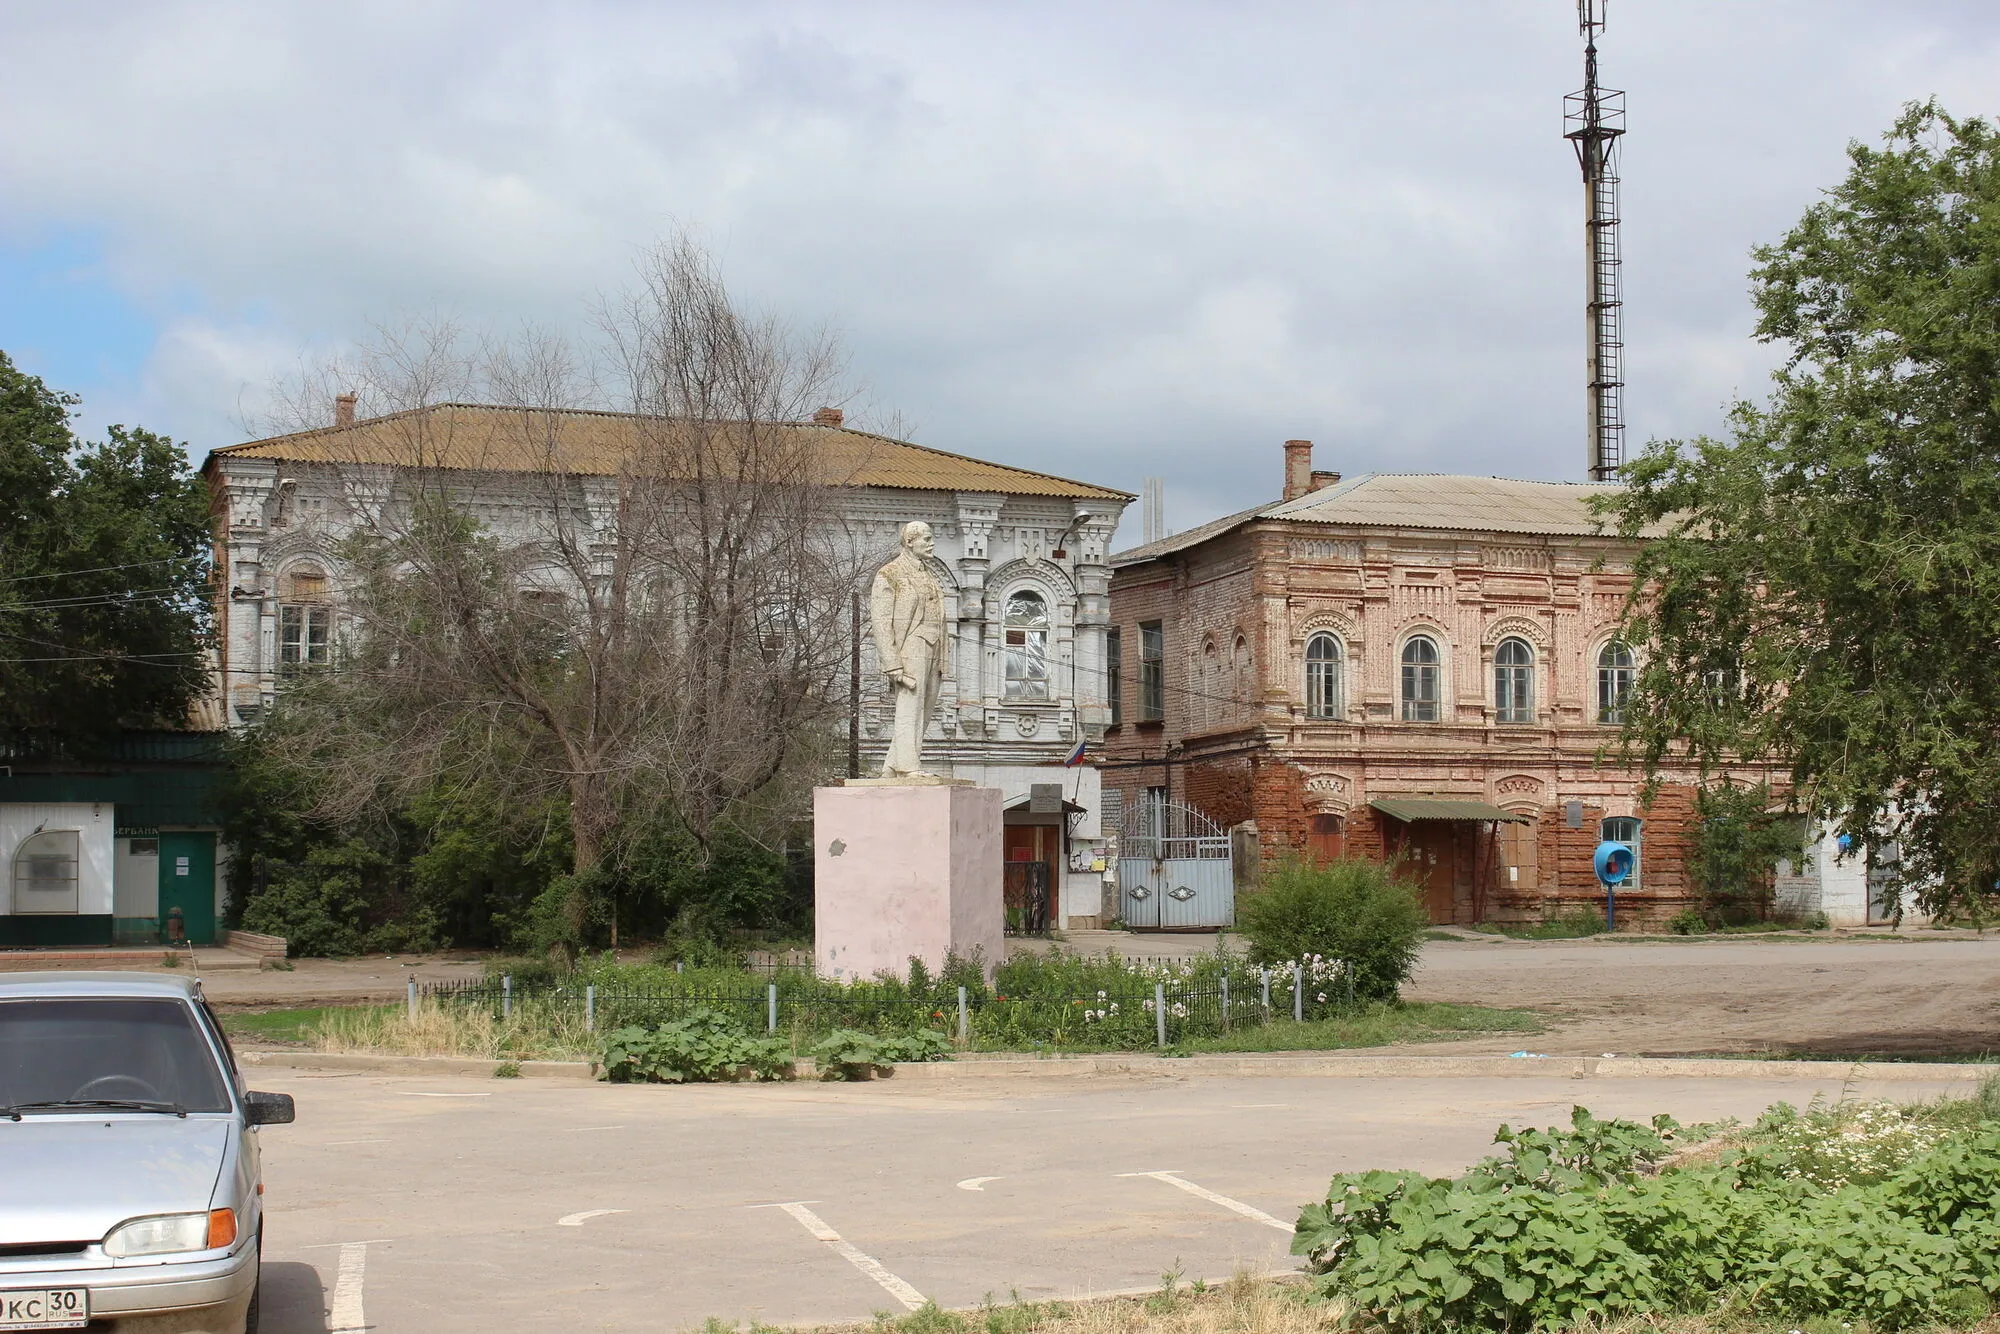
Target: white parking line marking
{"x": 1247, "y": 1210}
{"x": 577, "y": 1220}
{"x": 578, "y": 1130}
{"x": 346, "y": 1316}
{"x": 337, "y": 1143}
{"x": 975, "y": 1183}
{"x": 911, "y": 1299}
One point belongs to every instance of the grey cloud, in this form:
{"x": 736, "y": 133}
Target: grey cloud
{"x": 1111, "y": 240}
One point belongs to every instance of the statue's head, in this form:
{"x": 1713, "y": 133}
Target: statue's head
{"x": 917, "y": 539}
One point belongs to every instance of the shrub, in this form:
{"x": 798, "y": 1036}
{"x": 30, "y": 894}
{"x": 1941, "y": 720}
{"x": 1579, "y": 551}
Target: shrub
{"x": 319, "y": 905}
{"x": 1899, "y": 1228}
{"x": 848, "y": 1054}
{"x": 1687, "y": 922}
{"x": 702, "y": 1046}
{"x": 1350, "y": 909}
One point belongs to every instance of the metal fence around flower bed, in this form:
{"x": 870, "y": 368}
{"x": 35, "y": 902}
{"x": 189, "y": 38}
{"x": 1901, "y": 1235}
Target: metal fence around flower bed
{"x": 1159, "y": 1005}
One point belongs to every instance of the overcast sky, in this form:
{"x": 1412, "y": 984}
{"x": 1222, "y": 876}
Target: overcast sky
{"x": 1108, "y": 240}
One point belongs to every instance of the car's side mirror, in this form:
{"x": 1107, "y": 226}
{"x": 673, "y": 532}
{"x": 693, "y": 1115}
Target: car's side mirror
{"x": 269, "y": 1109}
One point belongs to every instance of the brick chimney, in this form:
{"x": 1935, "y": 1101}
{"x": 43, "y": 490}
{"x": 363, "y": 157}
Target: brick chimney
{"x": 1298, "y": 468}
{"x": 1322, "y": 480}
{"x": 343, "y": 408}
{"x": 829, "y": 417}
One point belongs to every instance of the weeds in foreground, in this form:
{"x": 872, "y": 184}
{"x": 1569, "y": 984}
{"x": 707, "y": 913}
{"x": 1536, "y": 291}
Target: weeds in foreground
{"x": 537, "y": 1030}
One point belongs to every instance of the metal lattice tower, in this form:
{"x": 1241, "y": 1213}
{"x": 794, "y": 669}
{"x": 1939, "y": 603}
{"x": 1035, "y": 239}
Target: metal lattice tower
{"x": 1594, "y": 120}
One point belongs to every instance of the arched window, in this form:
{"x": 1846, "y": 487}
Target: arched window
{"x": 1323, "y": 683}
{"x": 1420, "y": 680}
{"x": 1514, "y": 682}
{"x": 305, "y": 620}
{"x": 1614, "y": 682}
{"x": 45, "y": 871}
{"x": 1027, "y": 645}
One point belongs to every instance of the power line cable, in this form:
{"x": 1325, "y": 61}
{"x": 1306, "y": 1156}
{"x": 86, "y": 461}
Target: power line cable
{"x": 99, "y": 569}
{"x": 87, "y": 600}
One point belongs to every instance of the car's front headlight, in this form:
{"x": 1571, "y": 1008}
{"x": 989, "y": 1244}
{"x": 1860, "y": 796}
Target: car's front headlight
{"x": 167, "y": 1233}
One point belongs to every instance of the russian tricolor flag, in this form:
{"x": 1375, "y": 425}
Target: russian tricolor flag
{"x": 1075, "y": 756}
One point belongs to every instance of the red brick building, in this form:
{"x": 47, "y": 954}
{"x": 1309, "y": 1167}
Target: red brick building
{"x": 1410, "y": 665}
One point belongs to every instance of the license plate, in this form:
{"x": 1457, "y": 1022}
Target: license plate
{"x": 44, "y": 1308}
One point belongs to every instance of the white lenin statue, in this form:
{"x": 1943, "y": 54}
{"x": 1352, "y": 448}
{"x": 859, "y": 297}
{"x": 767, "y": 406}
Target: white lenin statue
{"x": 907, "y": 608}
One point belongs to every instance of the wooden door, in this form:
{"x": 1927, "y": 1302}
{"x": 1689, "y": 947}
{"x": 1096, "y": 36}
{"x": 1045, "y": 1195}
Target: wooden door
{"x": 1520, "y": 858}
{"x": 1434, "y": 857}
{"x": 1327, "y": 840}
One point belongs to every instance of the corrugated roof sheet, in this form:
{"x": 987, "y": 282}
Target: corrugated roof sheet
{"x": 1192, "y": 537}
{"x": 1443, "y": 808}
{"x": 1442, "y": 500}
{"x": 475, "y": 437}
{"x": 1417, "y": 500}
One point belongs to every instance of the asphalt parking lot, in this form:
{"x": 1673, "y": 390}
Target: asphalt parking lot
{"x": 448, "y": 1204}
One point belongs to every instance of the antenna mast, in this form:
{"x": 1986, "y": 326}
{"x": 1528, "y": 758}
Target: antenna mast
{"x": 1594, "y": 120}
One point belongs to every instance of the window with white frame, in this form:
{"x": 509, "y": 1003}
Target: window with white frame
{"x": 1624, "y": 829}
{"x": 1420, "y": 680}
{"x": 305, "y": 620}
{"x": 1615, "y": 671}
{"x": 1324, "y": 697}
{"x": 1514, "y": 682}
{"x": 1027, "y": 645}
{"x": 46, "y": 866}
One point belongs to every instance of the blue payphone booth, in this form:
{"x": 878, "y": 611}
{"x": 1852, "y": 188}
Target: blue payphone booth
{"x": 1614, "y": 867}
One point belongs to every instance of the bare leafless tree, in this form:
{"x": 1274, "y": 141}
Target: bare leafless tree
{"x": 639, "y": 614}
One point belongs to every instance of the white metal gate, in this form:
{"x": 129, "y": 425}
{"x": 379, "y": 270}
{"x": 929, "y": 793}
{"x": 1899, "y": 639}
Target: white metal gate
{"x": 1174, "y": 869}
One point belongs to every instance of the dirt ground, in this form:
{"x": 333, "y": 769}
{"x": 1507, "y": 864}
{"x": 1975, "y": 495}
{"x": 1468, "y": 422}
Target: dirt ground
{"x": 1922, "y": 994}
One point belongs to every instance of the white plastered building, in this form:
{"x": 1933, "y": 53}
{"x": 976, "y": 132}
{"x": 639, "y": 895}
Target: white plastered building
{"x": 1021, "y": 556}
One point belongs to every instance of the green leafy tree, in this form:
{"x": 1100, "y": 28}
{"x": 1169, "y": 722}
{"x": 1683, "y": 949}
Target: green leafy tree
{"x": 1737, "y": 845}
{"x": 1823, "y": 587}
{"x": 104, "y": 594}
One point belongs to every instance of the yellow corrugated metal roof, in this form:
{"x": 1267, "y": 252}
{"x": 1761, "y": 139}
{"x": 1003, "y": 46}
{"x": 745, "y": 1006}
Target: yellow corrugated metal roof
{"x": 475, "y": 437}
{"x": 1442, "y": 500}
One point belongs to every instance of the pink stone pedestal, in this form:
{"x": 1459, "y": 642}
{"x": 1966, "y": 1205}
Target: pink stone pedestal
{"x": 905, "y": 871}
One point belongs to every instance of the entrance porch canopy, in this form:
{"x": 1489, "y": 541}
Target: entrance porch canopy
{"x": 1413, "y": 808}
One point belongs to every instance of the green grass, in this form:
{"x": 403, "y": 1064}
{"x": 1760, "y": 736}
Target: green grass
{"x": 286, "y": 1027}
{"x": 1570, "y": 926}
{"x": 1375, "y": 1026}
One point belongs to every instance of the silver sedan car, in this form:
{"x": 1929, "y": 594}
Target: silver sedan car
{"x": 130, "y": 1183}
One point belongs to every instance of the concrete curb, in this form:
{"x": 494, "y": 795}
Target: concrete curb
{"x": 369, "y": 1063}
{"x": 1275, "y": 1066}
